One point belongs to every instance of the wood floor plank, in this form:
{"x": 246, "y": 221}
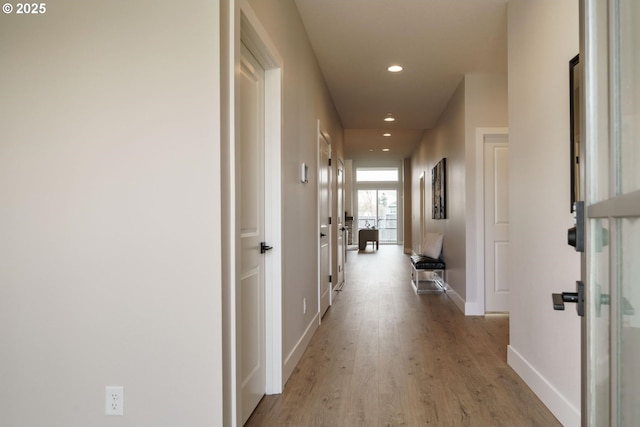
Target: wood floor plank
{"x": 384, "y": 356}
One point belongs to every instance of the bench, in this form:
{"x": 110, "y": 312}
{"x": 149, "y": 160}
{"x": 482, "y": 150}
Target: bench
{"x": 434, "y": 282}
{"x": 431, "y": 267}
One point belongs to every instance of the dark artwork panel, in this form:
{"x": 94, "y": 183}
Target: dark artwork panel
{"x": 439, "y": 185}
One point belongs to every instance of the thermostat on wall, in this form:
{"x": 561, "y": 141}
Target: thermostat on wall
{"x": 304, "y": 173}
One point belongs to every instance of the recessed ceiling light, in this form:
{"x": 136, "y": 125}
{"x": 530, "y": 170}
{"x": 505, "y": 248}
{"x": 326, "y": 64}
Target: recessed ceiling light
{"x": 389, "y": 118}
{"x": 386, "y": 134}
{"x": 385, "y": 149}
{"x": 370, "y": 149}
{"x": 395, "y": 68}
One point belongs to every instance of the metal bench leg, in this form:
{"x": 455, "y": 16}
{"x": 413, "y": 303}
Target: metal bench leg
{"x": 437, "y": 282}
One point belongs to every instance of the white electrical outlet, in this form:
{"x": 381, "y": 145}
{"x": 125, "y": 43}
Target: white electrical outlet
{"x": 114, "y": 400}
{"x": 304, "y": 306}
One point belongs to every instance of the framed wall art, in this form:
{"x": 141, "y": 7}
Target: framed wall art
{"x": 439, "y": 188}
{"x": 574, "y": 117}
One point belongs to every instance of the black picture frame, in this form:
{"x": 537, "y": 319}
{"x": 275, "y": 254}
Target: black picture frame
{"x": 439, "y": 190}
{"x": 574, "y": 126}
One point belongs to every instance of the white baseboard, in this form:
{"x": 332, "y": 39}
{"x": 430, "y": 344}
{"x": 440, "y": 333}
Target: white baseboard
{"x": 559, "y": 406}
{"x": 295, "y": 355}
{"x": 468, "y": 308}
{"x": 473, "y": 309}
{"x": 457, "y": 299}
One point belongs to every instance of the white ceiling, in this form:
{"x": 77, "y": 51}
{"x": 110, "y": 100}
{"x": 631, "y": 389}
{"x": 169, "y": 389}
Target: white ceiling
{"x": 436, "y": 41}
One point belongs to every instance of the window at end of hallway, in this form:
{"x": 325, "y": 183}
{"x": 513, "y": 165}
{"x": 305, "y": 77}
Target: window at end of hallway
{"x": 377, "y": 175}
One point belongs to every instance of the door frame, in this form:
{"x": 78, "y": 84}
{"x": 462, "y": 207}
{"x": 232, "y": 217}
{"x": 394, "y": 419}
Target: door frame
{"x": 245, "y": 27}
{"x": 477, "y": 308}
{"x": 397, "y": 186}
{"x": 322, "y": 136}
{"x": 341, "y": 252}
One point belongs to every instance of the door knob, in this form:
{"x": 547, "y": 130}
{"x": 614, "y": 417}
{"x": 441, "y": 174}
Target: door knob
{"x": 264, "y": 248}
{"x": 322, "y": 235}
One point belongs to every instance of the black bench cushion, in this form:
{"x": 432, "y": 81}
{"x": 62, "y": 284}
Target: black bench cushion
{"x": 422, "y": 262}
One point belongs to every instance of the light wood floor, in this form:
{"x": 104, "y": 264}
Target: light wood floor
{"x": 384, "y": 356}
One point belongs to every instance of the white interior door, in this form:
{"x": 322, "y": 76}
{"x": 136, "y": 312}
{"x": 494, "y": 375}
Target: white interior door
{"x": 250, "y": 317}
{"x": 496, "y": 223}
{"x": 611, "y": 270}
{"x": 341, "y": 246}
{"x": 324, "y": 221}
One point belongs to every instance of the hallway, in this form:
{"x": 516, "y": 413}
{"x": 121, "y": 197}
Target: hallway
{"x": 384, "y": 356}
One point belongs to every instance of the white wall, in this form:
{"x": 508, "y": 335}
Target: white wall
{"x": 544, "y": 344}
{"x": 110, "y": 214}
{"x": 305, "y": 100}
{"x": 485, "y": 106}
{"x": 479, "y": 101}
{"x": 446, "y": 139}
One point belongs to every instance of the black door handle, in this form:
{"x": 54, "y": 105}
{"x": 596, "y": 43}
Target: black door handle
{"x": 264, "y": 248}
{"x": 577, "y": 297}
{"x": 560, "y": 299}
{"x": 322, "y": 235}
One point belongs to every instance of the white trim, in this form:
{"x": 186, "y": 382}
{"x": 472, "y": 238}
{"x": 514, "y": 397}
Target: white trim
{"x": 292, "y": 359}
{"x": 473, "y": 309}
{"x": 559, "y": 405}
{"x": 229, "y": 224}
{"x": 457, "y": 299}
{"x": 273, "y": 227}
{"x": 476, "y": 308}
{"x": 320, "y": 136}
{"x": 341, "y": 253}
{"x": 257, "y": 39}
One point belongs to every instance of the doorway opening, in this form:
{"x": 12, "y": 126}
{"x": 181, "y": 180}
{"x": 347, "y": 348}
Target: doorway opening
{"x": 378, "y": 202}
{"x": 378, "y": 209}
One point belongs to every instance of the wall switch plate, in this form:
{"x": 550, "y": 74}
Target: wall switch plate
{"x": 114, "y": 400}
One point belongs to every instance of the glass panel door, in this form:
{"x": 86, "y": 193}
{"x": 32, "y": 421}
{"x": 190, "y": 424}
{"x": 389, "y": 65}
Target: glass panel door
{"x": 379, "y": 209}
{"x": 611, "y": 270}
{"x": 388, "y": 216}
{"x": 367, "y": 209}
{"x": 625, "y": 97}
